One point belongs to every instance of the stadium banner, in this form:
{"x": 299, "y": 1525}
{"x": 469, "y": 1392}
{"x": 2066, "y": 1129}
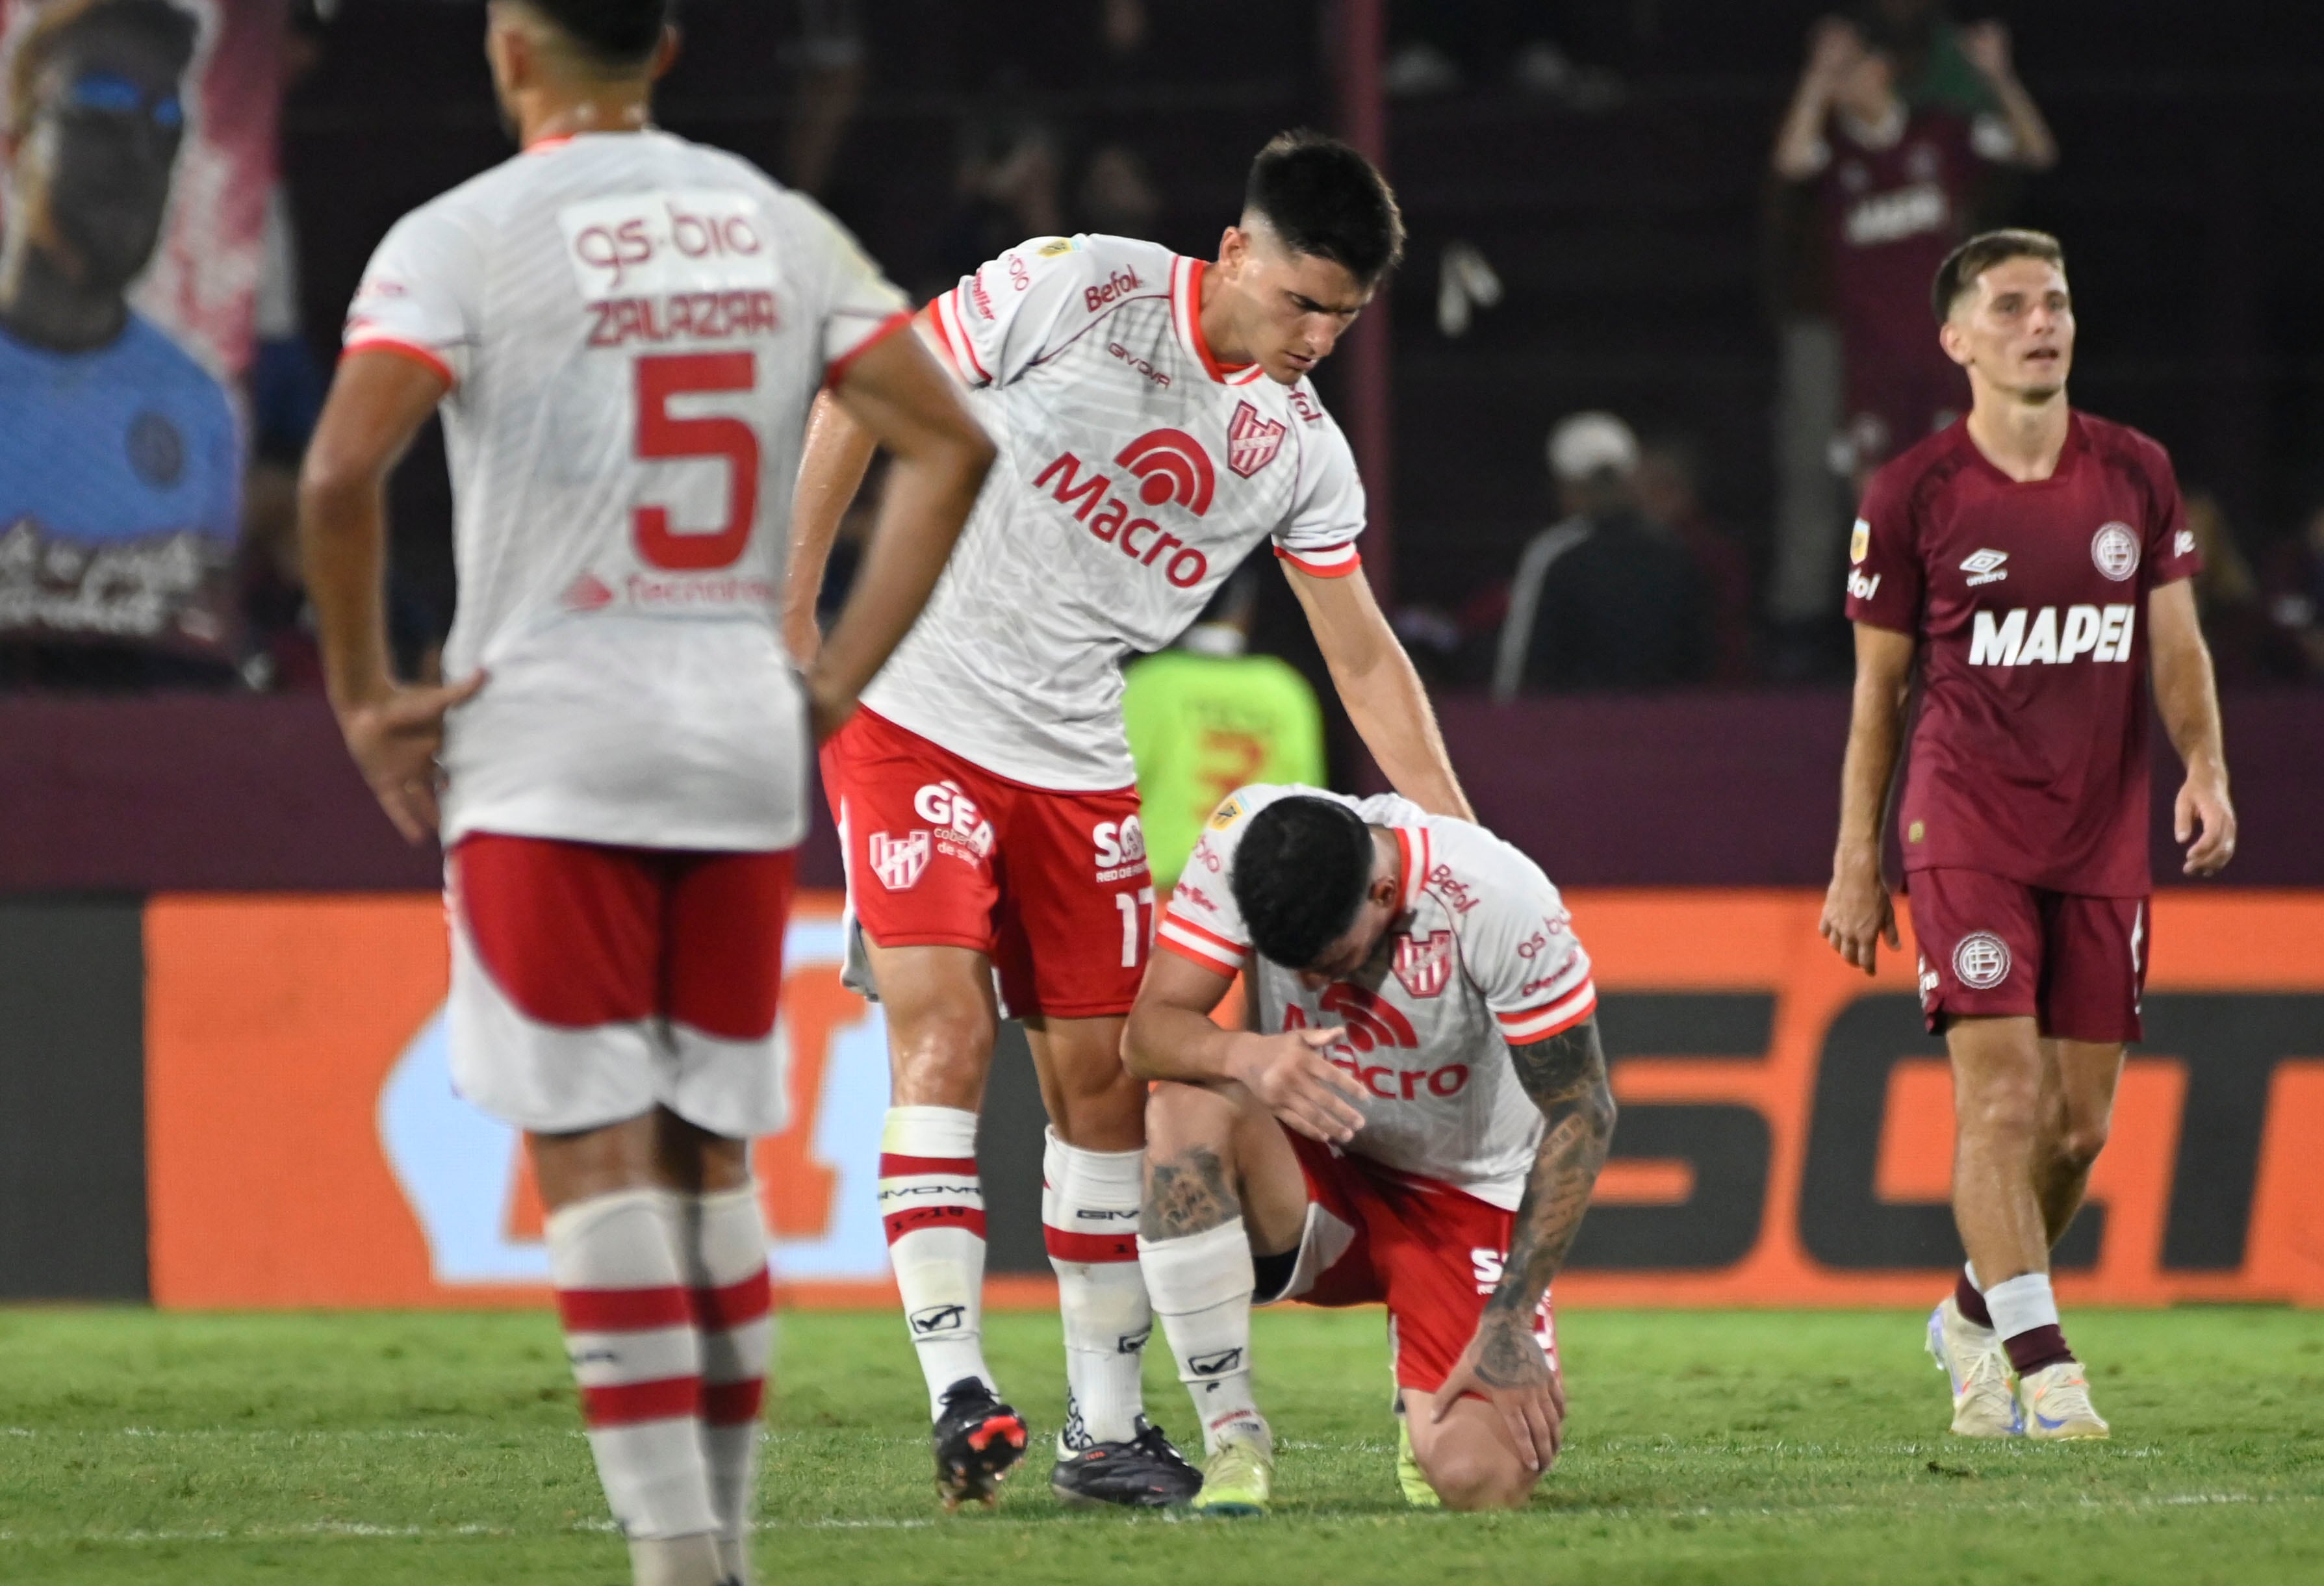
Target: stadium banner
{"x": 136, "y": 166}
{"x": 1785, "y": 1136}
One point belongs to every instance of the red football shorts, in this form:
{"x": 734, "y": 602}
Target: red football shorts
{"x": 592, "y": 983}
{"x": 1432, "y": 1252}
{"x": 1052, "y": 886}
{"x": 1996, "y": 947}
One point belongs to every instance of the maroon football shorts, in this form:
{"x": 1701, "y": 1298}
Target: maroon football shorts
{"x": 1991, "y": 947}
{"x": 1432, "y": 1251}
{"x": 1052, "y": 886}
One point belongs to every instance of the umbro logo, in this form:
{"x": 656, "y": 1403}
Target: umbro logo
{"x": 1984, "y": 567}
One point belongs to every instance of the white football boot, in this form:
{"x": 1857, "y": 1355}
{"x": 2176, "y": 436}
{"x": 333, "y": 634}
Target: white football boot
{"x": 2056, "y": 1400}
{"x": 1979, "y": 1367}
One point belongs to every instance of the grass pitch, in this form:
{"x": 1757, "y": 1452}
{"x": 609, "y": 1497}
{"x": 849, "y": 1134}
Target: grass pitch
{"x": 1715, "y": 1447}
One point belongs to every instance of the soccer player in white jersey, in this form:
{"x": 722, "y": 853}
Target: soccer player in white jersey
{"x": 624, "y": 331}
{"x": 1417, "y": 1118}
{"x": 1154, "y": 424}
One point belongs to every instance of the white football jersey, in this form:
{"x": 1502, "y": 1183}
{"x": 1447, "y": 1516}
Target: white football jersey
{"x": 633, "y": 327}
{"x": 1483, "y": 958}
{"x": 1135, "y": 473}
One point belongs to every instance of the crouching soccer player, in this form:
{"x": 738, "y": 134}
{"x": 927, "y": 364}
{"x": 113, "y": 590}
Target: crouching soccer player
{"x": 1418, "y": 1119}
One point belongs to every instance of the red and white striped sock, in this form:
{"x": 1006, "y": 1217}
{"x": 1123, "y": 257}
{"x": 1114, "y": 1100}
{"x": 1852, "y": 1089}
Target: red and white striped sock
{"x": 932, "y": 1204}
{"x": 1089, "y": 1220}
{"x": 726, "y": 1266}
{"x": 629, "y": 1332}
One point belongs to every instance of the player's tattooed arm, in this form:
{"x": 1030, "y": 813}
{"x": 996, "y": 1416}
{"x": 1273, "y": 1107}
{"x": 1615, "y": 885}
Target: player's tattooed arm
{"x": 1565, "y": 1075}
{"x": 1187, "y": 1194}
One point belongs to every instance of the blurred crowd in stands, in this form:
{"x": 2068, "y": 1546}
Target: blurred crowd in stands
{"x": 1905, "y": 130}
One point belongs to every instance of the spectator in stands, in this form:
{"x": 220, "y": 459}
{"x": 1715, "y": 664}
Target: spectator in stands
{"x": 1605, "y": 598}
{"x": 1205, "y": 717}
{"x": 1668, "y": 496}
{"x": 1896, "y": 187}
{"x": 2227, "y": 595}
{"x": 1009, "y": 188}
{"x": 2295, "y": 600}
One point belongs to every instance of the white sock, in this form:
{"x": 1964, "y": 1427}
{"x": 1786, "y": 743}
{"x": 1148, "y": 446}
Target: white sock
{"x": 1089, "y": 1220}
{"x": 727, "y": 1269}
{"x": 629, "y": 1332}
{"x": 676, "y": 1561}
{"x": 2020, "y": 1304}
{"x": 932, "y": 1205}
{"x": 1201, "y": 1284}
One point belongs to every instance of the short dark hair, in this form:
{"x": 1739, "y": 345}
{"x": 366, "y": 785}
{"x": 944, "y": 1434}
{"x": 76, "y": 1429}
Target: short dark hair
{"x": 1300, "y": 875}
{"x": 621, "y": 34}
{"x": 1957, "y": 274}
{"x": 1324, "y": 199}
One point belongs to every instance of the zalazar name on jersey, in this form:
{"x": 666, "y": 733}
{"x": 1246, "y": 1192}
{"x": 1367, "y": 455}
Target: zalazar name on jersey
{"x": 1482, "y": 958}
{"x": 631, "y": 327}
{"x": 1135, "y": 473}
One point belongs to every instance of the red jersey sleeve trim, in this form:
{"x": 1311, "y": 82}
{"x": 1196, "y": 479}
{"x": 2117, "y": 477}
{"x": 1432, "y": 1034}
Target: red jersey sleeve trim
{"x": 836, "y": 371}
{"x": 1336, "y": 563}
{"x": 370, "y": 343}
{"x": 1205, "y": 946}
{"x": 1529, "y": 1025}
{"x": 957, "y": 342}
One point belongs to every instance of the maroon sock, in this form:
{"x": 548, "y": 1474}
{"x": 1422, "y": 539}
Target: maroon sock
{"x": 1971, "y": 1303}
{"x": 2037, "y": 1347}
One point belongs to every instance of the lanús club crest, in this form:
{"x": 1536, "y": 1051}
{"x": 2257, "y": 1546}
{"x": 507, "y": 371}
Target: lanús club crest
{"x": 1423, "y": 965}
{"x": 898, "y": 861}
{"x": 1251, "y": 441}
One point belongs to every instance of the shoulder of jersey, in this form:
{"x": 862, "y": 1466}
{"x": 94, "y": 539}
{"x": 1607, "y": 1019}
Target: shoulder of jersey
{"x": 2121, "y": 443}
{"x": 1481, "y": 863}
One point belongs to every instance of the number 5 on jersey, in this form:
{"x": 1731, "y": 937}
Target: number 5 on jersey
{"x": 664, "y": 437}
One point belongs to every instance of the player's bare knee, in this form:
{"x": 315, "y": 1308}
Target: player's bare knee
{"x": 2080, "y": 1142}
{"x": 1182, "y": 1118}
{"x": 1473, "y": 1474}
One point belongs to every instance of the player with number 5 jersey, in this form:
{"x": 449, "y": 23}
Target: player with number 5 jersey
{"x": 1155, "y": 425}
{"x": 624, "y": 331}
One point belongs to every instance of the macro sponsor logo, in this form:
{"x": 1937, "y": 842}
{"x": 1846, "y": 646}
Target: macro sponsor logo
{"x": 1171, "y": 465}
{"x": 1107, "y": 517}
{"x": 962, "y": 831}
{"x": 1119, "y": 848}
{"x": 1137, "y": 363}
{"x": 1371, "y": 1025}
{"x": 2025, "y": 637}
{"x": 682, "y": 317}
{"x": 898, "y": 862}
{"x": 1119, "y": 284}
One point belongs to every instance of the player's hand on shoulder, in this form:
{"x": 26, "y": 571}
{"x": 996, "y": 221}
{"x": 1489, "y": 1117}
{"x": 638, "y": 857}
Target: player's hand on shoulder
{"x": 394, "y": 738}
{"x": 2205, "y": 815}
{"x": 1504, "y": 1366}
{"x": 1293, "y": 1080}
{"x": 1858, "y": 913}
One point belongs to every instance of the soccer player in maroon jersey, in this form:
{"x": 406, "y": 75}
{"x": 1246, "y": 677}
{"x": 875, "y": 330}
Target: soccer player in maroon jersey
{"x": 2031, "y": 558}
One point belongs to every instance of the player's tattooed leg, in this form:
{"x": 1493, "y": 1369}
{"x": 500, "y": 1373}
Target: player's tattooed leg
{"x": 1189, "y": 1193}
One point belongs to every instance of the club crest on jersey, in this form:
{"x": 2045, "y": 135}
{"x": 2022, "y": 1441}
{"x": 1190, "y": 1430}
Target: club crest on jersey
{"x": 1423, "y": 965}
{"x": 2114, "y": 549}
{"x": 1251, "y": 441}
{"x": 900, "y": 861}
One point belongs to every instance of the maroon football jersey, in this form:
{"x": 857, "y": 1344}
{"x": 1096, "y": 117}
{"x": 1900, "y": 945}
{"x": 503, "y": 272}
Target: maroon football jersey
{"x": 2029, "y": 602}
{"x": 1890, "y": 216}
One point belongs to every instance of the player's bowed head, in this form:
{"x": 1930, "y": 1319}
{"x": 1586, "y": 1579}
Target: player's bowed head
{"x": 561, "y": 67}
{"x": 1320, "y": 230}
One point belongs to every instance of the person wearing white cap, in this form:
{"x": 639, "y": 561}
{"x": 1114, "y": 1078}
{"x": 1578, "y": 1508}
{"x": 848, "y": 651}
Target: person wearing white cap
{"x": 1604, "y": 597}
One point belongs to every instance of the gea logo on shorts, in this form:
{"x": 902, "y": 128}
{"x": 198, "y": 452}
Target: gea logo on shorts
{"x": 961, "y": 829}
{"x": 1121, "y": 848}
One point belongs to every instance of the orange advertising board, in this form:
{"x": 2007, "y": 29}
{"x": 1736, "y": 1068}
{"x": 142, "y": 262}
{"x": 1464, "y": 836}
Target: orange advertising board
{"x": 1785, "y": 1135}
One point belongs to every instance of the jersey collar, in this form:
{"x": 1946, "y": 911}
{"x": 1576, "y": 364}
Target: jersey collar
{"x": 1186, "y": 317}
{"x": 1412, "y": 847}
